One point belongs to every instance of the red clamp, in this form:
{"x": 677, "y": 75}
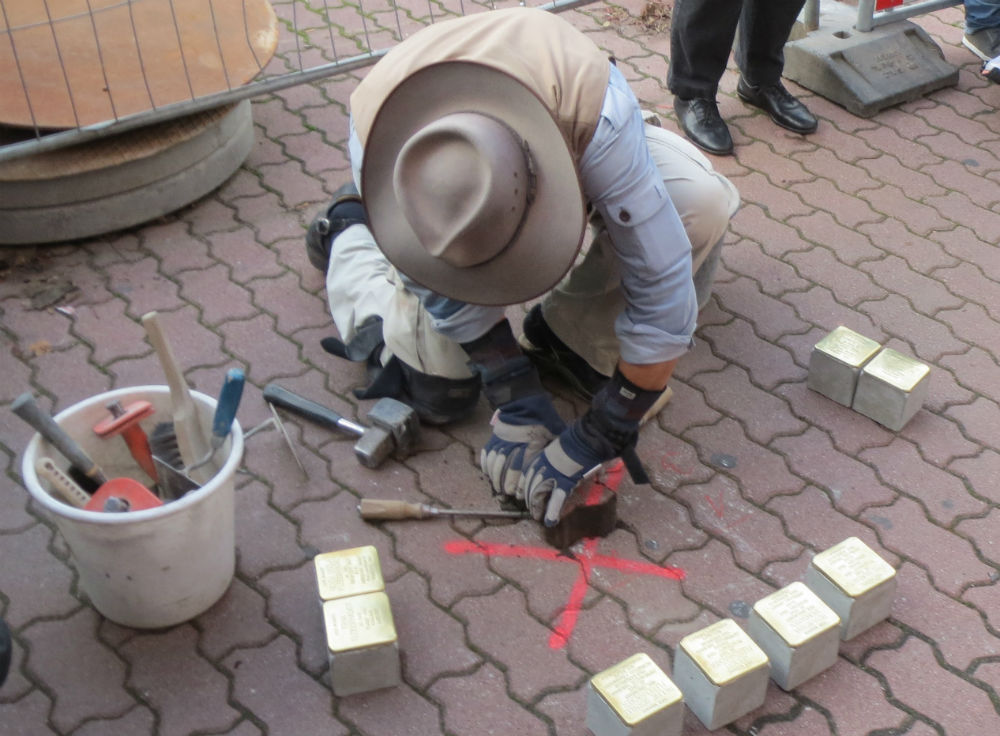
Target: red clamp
{"x": 125, "y": 421}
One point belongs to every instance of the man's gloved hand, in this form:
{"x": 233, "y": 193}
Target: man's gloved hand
{"x": 525, "y": 420}
{"x": 609, "y": 426}
{"x": 521, "y": 429}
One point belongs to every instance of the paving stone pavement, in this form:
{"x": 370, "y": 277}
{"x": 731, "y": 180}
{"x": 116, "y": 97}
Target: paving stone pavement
{"x": 887, "y": 225}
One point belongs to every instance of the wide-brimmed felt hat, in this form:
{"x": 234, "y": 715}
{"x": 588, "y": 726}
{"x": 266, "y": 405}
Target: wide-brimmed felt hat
{"x": 470, "y": 187}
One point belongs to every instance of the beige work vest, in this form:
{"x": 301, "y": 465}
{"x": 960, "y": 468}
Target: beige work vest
{"x": 567, "y": 71}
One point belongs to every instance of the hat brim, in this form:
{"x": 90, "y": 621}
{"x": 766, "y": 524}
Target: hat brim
{"x": 552, "y": 232}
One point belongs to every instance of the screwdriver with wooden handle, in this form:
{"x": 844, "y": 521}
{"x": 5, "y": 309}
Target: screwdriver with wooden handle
{"x": 383, "y": 509}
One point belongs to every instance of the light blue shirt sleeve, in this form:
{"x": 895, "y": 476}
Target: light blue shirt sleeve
{"x": 622, "y": 182}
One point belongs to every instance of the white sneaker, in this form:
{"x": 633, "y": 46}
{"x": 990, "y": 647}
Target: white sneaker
{"x": 985, "y": 43}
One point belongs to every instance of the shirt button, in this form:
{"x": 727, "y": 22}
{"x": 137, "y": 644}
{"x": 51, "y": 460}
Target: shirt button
{"x": 623, "y": 215}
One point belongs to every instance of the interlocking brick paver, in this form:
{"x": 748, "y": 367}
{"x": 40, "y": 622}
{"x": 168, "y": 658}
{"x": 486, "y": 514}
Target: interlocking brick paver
{"x": 846, "y": 209}
{"x": 950, "y": 561}
{"x": 849, "y": 286}
{"x": 806, "y": 721}
{"x": 712, "y": 577}
{"x": 137, "y": 722}
{"x": 850, "y": 245}
{"x": 770, "y": 366}
{"x": 942, "y": 494}
{"x": 186, "y": 690}
{"x": 839, "y": 690}
{"x": 434, "y": 640}
{"x": 470, "y": 703}
{"x": 756, "y": 189}
{"x": 760, "y": 473}
{"x": 980, "y": 532}
{"x": 763, "y": 415}
{"x": 770, "y": 317}
{"x": 774, "y": 237}
{"x": 852, "y": 484}
{"x": 265, "y": 678}
{"x": 220, "y": 299}
{"x": 811, "y": 518}
{"x": 217, "y": 638}
{"x": 28, "y": 715}
{"x": 246, "y": 258}
{"x": 755, "y": 536}
{"x": 774, "y": 276}
{"x": 530, "y": 664}
{"x": 397, "y": 710}
{"x": 85, "y": 676}
{"x": 976, "y": 369}
{"x": 24, "y": 554}
{"x": 906, "y": 671}
{"x": 955, "y": 629}
{"x": 940, "y": 440}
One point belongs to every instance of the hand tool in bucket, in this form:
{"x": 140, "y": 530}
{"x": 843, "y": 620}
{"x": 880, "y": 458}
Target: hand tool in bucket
{"x": 122, "y": 494}
{"x": 68, "y": 488}
{"x": 394, "y": 432}
{"x": 124, "y": 421}
{"x": 225, "y": 414}
{"x": 178, "y": 479}
{"x": 83, "y": 469}
{"x": 184, "y": 437}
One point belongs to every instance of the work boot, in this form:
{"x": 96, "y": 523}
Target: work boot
{"x": 346, "y": 210}
{"x": 553, "y": 358}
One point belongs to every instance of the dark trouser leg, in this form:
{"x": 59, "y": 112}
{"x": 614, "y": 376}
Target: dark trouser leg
{"x": 764, "y": 29}
{"x": 701, "y": 37}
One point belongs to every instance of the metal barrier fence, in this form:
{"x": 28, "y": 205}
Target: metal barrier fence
{"x": 302, "y": 41}
{"x": 874, "y": 13}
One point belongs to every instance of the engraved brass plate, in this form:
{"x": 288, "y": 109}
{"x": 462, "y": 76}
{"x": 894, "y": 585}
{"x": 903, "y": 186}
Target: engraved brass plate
{"x": 723, "y": 651}
{"x": 358, "y": 621}
{"x": 848, "y": 346}
{"x": 796, "y": 614}
{"x": 348, "y": 572}
{"x": 898, "y": 370}
{"x": 636, "y": 688}
{"x": 853, "y": 566}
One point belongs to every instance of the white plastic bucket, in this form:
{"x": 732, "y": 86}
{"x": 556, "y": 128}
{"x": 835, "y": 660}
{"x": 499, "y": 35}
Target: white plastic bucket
{"x": 156, "y": 567}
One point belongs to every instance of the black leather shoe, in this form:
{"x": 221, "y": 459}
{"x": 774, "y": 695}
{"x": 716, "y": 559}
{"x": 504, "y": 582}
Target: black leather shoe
{"x": 700, "y": 120}
{"x": 779, "y": 104}
{"x": 345, "y": 210}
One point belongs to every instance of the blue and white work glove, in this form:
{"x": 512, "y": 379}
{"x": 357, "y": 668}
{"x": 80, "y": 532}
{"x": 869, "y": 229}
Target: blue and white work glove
{"x": 525, "y": 420}
{"x": 610, "y": 427}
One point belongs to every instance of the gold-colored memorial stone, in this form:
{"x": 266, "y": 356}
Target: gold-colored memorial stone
{"x": 836, "y": 362}
{"x": 634, "y": 698}
{"x": 362, "y": 643}
{"x": 855, "y": 582}
{"x": 799, "y": 633}
{"x": 348, "y": 572}
{"x": 722, "y": 673}
{"x": 891, "y": 388}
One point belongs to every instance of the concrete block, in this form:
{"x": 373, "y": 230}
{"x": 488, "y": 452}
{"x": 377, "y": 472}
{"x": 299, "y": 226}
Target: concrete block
{"x": 866, "y": 72}
{"x": 722, "y": 673}
{"x": 634, "y": 698}
{"x": 892, "y": 388}
{"x": 362, "y": 644}
{"x": 836, "y": 362}
{"x": 855, "y": 582}
{"x": 799, "y": 633}
{"x": 348, "y": 572}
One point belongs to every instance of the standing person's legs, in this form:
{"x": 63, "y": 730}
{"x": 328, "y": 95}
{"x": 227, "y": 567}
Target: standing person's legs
{"x": 764, "y": 29}
{"x": 982, "y": 28}
{"x": 701, "y": 37}
{"x": 581, "y": 310}
{"x": 760, "y": 56}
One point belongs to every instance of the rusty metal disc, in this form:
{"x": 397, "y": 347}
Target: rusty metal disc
{"x": 69, "y": 63}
